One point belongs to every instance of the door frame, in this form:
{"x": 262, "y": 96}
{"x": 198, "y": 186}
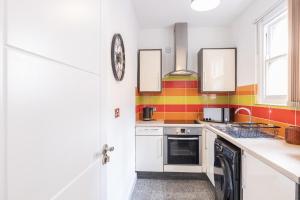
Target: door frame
{"x": 2, "y": 103}
{"x": 102, "y": 104}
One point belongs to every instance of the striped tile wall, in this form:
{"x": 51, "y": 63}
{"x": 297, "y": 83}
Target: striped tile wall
{"x": 246, "y": 96}
{"x": 180, "y": 100}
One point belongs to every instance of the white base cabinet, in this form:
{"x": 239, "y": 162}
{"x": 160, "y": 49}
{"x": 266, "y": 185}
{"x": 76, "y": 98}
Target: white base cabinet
{"x": 149, "y": 153}
{"x": 149, "y": 149}
{"x": 259, "y": 181}
{"x": 210, "y": 154}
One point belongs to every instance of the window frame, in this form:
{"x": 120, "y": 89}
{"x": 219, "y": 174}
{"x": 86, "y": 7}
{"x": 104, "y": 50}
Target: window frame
{"x": 273, "y": 16}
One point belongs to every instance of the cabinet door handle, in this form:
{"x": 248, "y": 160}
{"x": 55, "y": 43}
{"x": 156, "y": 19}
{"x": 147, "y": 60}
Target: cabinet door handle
{"x": 206, "y": 137}
{"x": 161, "y": 147}
{"x": 151, "y": 129}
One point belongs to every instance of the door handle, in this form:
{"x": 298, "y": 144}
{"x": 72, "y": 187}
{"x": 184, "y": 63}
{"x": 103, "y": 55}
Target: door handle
{"x": 105, "y": 156}
{"x": 175, "y": 138}
{"x": 106, "y": 149}
{"x": 161, "y": 147}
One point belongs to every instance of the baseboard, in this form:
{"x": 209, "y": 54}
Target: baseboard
{"x": 183, "y": 168}
{"x": 132, "y": 187}
{"x": 171, "y": 175}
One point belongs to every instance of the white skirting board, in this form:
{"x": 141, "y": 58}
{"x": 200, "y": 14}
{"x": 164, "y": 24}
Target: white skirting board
{"x": 183, "y": 168}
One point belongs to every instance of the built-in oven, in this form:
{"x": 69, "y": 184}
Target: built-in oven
{"x": 182, "y": 146}
{"x": 183, "y": 150}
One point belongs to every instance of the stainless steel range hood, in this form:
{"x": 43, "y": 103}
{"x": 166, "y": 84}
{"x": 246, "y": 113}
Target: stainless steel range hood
{"x": 181, "y": 51}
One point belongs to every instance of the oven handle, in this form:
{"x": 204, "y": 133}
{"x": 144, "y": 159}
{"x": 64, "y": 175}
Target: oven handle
{"x": 175, "y": 138}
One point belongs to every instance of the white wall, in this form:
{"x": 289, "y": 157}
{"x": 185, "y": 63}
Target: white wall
{"x": 119, "y": 17}
{"x": 199, "y": 37}
{"x": 244, "y": 36}
{"x": 240, "y": 34}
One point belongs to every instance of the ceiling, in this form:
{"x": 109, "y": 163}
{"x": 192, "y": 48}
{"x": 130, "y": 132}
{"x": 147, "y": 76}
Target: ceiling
{"x": 163, "y": 13}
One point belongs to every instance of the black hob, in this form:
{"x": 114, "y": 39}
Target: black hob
{"x": 181, "y": 122}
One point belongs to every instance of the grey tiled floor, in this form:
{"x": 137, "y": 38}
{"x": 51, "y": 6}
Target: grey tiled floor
{"x": 152, "y": 189}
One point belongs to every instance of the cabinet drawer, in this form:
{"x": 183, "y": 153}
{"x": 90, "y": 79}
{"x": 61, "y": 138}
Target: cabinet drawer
{"x": 149, "y": 131}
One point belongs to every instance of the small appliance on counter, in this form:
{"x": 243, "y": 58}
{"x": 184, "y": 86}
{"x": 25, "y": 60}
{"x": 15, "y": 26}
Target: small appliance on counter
{"x": 148, "y": 113}
{"x": 221, "y": 115}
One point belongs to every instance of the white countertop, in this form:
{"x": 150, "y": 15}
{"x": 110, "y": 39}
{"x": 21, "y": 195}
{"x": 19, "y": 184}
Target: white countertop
{"x": 276, "y": 153}
{"x": 162, "y": 124}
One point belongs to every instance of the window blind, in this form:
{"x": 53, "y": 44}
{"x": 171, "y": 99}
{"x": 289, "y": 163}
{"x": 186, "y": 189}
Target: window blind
{"x": 294, "y": 52}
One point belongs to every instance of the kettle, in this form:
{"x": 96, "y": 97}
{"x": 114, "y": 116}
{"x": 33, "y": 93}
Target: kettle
{"x": 147, "y": 113}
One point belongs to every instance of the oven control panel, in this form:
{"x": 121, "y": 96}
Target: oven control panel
{"x": 182, "y": 131}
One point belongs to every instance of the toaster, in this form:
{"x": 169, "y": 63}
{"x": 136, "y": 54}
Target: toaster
{"x": 221, "y": 115}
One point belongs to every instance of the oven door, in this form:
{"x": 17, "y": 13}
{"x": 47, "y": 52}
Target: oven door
{"x": 183, "y": 150}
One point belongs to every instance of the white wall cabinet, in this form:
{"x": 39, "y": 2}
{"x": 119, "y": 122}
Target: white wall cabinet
{"x": 210, "y": 154}
{"x": 149, "y": 149}
{"x": 150, "y": 68}
{"x": 259, "y": 181}
{"x": 217, "y": 69}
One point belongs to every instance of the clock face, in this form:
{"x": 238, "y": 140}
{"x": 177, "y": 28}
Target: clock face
{"x": 118, "y": 57}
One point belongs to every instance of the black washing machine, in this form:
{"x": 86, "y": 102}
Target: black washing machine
{"x": 227, "y": 173}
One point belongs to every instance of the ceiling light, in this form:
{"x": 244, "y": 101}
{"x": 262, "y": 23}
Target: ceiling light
{"x": 204, "y": 5}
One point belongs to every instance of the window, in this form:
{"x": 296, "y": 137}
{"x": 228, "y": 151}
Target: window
{"x": 273, "y": 57}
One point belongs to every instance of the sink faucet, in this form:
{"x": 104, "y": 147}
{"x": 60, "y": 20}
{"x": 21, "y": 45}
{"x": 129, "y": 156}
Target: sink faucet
{"x": 247, "y": 110}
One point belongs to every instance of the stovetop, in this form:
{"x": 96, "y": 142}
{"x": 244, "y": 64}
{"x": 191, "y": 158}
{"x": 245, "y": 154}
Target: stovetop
{"x": 181, "y": 122}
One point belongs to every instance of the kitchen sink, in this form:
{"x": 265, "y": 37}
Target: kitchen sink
{"x": 249, "y": 130}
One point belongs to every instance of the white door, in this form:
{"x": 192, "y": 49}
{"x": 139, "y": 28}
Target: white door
{"x": 52, "y": 91}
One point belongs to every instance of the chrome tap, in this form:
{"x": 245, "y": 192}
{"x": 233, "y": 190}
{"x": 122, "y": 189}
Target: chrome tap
{"x": 247, "y": 110}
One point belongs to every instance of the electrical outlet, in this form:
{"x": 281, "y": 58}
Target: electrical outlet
{"x": 117, "y": 112}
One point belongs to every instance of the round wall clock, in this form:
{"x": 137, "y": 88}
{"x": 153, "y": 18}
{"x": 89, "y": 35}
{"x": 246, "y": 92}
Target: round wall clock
{"x": 118, "y": 57}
